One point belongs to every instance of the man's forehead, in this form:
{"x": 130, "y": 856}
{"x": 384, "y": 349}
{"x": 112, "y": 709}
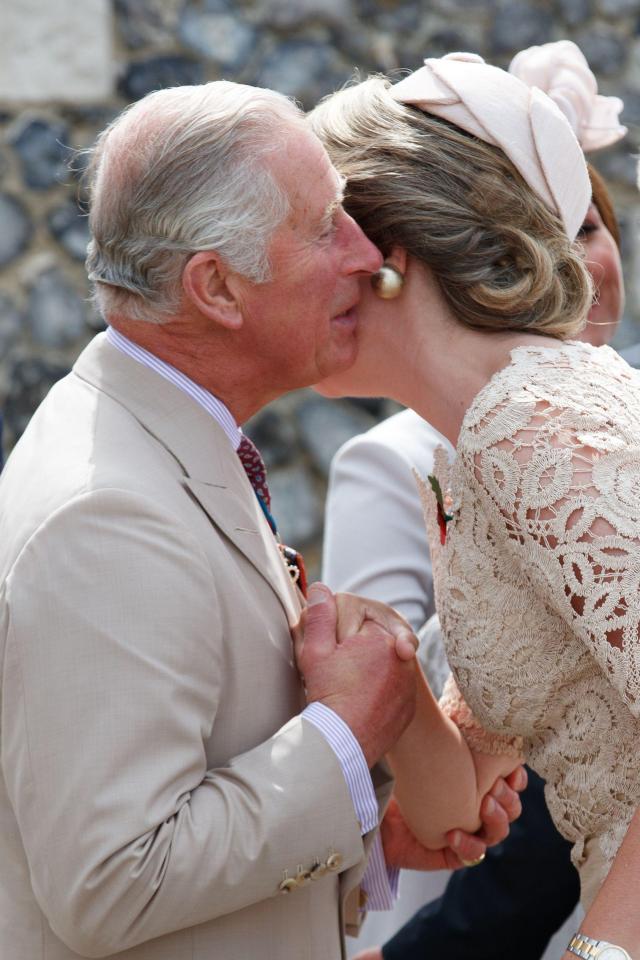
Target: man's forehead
{"x": 301, "y": 163}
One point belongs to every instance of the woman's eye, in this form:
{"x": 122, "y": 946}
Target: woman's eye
{"x": 586, "y": 229}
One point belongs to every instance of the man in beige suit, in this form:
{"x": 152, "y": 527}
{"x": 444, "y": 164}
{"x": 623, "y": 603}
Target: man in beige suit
{"x": 170, "y": 790}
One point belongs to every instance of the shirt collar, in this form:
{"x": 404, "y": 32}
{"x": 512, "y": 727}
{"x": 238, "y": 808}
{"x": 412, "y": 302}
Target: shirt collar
{"x": 213, "y": 406}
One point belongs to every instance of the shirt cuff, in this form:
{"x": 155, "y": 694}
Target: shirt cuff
{"x": 380, "y": 882}
{"x": 351, "y": 758}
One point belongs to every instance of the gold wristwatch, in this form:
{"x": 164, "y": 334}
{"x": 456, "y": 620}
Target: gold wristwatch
{"x": 589, "y": 949}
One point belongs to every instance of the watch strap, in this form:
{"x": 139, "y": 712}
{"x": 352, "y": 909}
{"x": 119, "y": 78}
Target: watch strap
{"x": 589, "y": 949}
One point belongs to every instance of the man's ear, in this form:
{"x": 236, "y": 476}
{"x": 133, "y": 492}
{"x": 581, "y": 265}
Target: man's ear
{"x": 204, "y": 281}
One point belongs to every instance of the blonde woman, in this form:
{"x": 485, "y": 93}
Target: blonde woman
{"x": 475, "y": 187}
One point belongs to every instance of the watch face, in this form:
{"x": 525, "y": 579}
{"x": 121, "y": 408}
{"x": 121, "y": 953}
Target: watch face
{"x": 613, "y": 953}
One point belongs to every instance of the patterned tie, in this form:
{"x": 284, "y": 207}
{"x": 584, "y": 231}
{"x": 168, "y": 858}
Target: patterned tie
{"x": 257, "y": 473}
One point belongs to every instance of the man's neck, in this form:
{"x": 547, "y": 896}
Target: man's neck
{"x": 204, "y": 357}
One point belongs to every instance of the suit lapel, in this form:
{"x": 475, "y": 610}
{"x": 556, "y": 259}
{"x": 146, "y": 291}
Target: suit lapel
{"x": 212, "y": 470}
{"x": 244, "y": 524}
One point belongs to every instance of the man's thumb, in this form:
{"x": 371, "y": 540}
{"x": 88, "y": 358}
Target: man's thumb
{"x": 320, "y": 620}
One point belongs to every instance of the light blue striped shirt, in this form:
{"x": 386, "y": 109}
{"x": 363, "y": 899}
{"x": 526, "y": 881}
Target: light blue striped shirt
{"x": 380, "y": 883}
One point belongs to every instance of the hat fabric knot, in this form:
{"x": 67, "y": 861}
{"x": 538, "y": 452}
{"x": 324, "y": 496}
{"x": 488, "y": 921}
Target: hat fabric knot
{"x": 500, "y": 109}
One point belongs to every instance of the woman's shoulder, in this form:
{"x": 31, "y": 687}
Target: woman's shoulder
{"x": 551, "y": 389}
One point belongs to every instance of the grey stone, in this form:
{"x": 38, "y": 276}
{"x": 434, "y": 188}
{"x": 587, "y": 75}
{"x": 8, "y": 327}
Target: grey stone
{"x": 625, "y": 338}
{"x": 274, "y": 435}
{"x": 70, "y": 227}
{"x": 11, "y": 323}
{"x": 285, "y": 14}
{"x": 305, "y": 69}
{"x": 16, "y": 228}
{"x": 30, "y": 381}
{"x": 295, "y": 504}
{"x": 468, "y": 36}
{"x": 326, "y": 424}
{"x": 144, "y": 76}
{"x": 604, "y": 49}
{"x": 454, "y": 8}
{"x": 144, "y": 23}
{"x": 96, "y": 115}
{"x": 575, "y": 12}
{"x": 56, "y": 313}
{"x": 632, "y": 74}
{"x": 219, "y": 6}
{"x": 376, "y": 406}
{"x": 406, "y": 18}
{"x": 618, "y": 8}
{"x": 618, "y": 165}
{"x": 632, "y": 354}
{"x": 220, "y": 37}
{"x": 519, "y": 25}
{"x": 631, "y": 112}
{"x": 42, "y": 146}
{"x": 55, "y": 51}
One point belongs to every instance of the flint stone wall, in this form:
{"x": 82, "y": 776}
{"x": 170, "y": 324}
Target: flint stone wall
{"x": 66, "y": 68}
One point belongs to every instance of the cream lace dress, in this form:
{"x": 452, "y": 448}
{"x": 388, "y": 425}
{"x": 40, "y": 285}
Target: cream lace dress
{"x": 538, "y": 584}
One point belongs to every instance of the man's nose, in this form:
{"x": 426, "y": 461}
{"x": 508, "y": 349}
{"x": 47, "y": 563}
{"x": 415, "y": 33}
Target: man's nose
{"x": 364, "y": 256}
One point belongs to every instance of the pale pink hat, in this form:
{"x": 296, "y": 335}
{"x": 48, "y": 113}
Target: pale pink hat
{"x": 562, "y": 72}
{"x": 523, "y": 121}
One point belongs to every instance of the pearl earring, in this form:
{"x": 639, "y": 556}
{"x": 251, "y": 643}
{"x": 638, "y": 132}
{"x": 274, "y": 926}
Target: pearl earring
{"x": 387, "y": 282}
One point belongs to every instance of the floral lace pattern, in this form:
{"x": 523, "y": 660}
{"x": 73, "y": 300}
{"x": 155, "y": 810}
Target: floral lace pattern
{"x": 538, "y": 583}
{"x": 455, "y": 706}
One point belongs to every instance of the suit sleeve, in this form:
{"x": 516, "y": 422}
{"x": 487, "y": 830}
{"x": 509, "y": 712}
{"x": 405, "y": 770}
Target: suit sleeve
{"x": 113, "y": 670}
{"x": 375, "y": 542}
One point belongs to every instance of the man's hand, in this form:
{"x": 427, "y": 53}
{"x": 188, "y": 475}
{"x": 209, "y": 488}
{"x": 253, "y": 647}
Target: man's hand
{"x": 499, "y": 808}
{"x": 354, "y": 611}
{"x": 360, "y": 677}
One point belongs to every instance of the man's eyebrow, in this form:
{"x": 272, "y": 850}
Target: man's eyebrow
{"x": 337, "y": 201}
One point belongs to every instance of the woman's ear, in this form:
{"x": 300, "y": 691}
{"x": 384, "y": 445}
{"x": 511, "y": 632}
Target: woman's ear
{"x": 397, "y": 259}
{"x": 204, "y": 281}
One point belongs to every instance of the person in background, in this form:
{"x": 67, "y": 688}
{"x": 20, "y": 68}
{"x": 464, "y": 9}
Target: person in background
{"x": 375, "y": 544}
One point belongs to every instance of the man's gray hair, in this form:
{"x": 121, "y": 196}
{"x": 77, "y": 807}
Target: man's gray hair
{"x": 180, "y": 171}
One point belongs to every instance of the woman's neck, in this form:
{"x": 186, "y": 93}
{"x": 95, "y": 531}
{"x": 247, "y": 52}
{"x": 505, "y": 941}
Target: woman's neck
{"x": 441, "y": 367}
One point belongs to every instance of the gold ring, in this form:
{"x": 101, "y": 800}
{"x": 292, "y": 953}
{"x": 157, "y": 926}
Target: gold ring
{"x": 474, "y": 863}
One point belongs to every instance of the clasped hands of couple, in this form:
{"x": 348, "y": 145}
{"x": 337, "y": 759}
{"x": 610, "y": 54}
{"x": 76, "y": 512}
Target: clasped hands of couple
{"x": 358, "y": 657}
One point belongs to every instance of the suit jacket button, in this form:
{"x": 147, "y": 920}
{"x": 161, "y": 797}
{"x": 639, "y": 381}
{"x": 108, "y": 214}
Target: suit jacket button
{"x": 287, "y": 885}
{"x": 334, "y": 862}
{"x": 318, "y": 870}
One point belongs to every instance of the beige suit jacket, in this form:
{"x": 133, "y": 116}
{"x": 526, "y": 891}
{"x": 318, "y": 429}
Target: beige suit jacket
{"x": 157, "y": 780}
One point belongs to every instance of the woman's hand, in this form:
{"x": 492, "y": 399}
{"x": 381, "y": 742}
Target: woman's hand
{"x": 353, "y": 611}
{"x": 500, "y": 807}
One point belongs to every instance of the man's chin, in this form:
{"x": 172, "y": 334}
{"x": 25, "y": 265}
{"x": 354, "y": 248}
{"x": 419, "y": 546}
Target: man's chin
{"x": 327, "y": 388}
{"x": 343, "y": 385}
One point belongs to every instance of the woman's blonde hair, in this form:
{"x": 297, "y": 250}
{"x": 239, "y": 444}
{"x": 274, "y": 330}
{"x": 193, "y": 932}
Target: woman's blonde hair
{"x": 501, "y": 257}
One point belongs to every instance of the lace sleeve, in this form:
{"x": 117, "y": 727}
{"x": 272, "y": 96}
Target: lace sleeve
{"x": 453, "y": 704}
{"x": 566, "y": 485}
